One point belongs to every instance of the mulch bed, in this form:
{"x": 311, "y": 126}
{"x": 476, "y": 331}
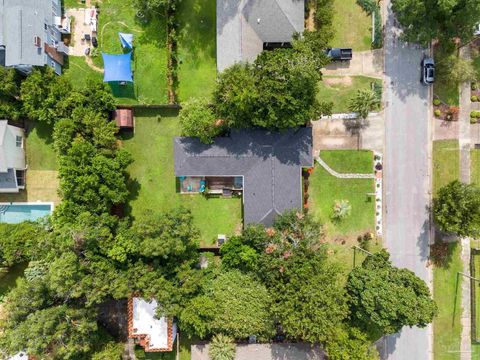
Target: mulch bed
{"x": 448, "y": 113}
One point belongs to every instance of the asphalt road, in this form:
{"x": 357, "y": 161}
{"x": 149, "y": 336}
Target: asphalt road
{"x": 407, "y": 184}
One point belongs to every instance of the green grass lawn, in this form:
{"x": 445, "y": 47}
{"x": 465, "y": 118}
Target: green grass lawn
{"x": 325, "y": 189}
{"x": 446, "y": 163}
{"x": 447, "y": 294}
{"x": 150, "y": 55}
{"x": 8, "y": 278}
{"x": 196, "y": 48}
{"x": 475, "y": 166}
{"x": 73, "y": 4}
{"x": 39, "y": 147}
{"x": 153, "y": 183}
{"x": 352, "y": 26}
{"x": 476, "y": 264}
{"x": 77, "y": 70}
{"x": 340, "y": 90}
{"x": 446, "y": 92}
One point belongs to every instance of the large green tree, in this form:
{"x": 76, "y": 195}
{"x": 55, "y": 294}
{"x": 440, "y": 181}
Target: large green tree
{"x": 10, "y": 106}
{"x": 425, "y": 20}
{"x": 456, "y": 209}
{"x": 384, "y": 298}
{"x": 197, "y": 118}
{"x": 17, "y": 240}
{"x": 231, "y": 303}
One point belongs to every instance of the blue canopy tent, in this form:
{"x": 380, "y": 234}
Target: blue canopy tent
{"x": 126, "y": 40}
{"x": 117, "y": 67}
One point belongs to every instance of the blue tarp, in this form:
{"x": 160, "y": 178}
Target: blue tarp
{"x": 126, "y": 40}
{"x": 117, "y": 67}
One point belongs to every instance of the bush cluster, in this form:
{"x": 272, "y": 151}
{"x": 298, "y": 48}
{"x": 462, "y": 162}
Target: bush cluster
{"x": 437, "y": 113}
{"x": 437, "y": 101}
{"x": 474, "y": 98}
{"x": 474, "y": 116}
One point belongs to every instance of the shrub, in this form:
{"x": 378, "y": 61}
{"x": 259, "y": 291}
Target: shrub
{"x": 437, "y": 113}
{"x": 474, "y": 86}
{"x": 436, "y": 102}
{"x": 222, "y": 348}
{"x": 473, "y": 120}
{"x": 341, "y": 209}
{"x": 474, "y": 98}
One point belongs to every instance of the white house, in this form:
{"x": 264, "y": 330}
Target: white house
{"x": 12, "y": 158}
{"x": 155, "y": 334}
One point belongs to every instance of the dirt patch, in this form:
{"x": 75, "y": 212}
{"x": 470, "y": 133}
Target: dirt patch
{"x": 343, "y": 81}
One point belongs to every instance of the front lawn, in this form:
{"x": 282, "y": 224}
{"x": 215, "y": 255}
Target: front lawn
{"x": 447, "y": 294}
{"x": 476, "y": 290}
{"x": 340, "y": 89}
{"x": 196, "y": 48}
{"x": 325, "y": 189}
{"x": 475, "y": 166}
{"x": 446, "y": 163}
{"x": 149, "y": 64}
{"x": 153, "y": 183}
{"x": 352, "y": 26}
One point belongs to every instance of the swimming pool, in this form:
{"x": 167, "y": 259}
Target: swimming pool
{"x": 14, "y": 213}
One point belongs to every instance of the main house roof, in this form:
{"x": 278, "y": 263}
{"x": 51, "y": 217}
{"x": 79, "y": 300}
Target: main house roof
{"x": 270, "y": 163}
{"x": 244, "y": 25}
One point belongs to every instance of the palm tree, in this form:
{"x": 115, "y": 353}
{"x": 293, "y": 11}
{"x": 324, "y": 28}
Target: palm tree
{"x": 222, "y": 347}
{"x": 341, "y": 209}
{"x": 363, "y": 102}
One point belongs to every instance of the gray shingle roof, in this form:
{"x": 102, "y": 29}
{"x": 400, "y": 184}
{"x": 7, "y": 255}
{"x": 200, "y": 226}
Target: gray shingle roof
{"x": 23, "y": 20}
{"x": 270, "y": 163}
{"x": 244, "y": 25}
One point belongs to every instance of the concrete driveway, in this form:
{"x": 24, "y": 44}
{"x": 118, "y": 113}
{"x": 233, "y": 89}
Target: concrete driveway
{"x": 367, "y": 63}
{"x": 407, "y": 177}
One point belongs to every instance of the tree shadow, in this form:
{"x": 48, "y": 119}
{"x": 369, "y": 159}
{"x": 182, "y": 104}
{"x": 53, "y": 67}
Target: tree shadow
{"x": 44, "y": 130}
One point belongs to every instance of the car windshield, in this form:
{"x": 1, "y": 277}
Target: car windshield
{"x": 430, "y": 72}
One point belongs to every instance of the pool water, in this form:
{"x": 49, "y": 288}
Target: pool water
{"x": 17, "y": 213}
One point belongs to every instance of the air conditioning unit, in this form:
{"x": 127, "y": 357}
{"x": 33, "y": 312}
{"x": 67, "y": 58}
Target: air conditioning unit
{"x": 37, "y": 41}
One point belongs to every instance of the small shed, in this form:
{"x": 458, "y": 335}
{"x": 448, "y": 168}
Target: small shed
{"x": 124, "y": 118}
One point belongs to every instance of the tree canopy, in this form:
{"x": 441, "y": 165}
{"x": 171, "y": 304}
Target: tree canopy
{"x": 383, "y": 298}
{"x": 456, "y": 209}
{"x": 425, "y": 20}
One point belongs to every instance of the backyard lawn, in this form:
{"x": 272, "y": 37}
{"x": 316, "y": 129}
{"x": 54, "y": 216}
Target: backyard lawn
{"x": 447, "y": 295}
{"x": 340, "y": 90}
{"x": 446, "y": 165}
{"x": 150, "y": 54}
{"x": 153, "y": 183}
{"x": 78, "y": 71}
{"x": 352, "y": 26}
{"x": 39, "y": 147}
{"x": 324, "y": 190}
{"x": 196, "y": 48}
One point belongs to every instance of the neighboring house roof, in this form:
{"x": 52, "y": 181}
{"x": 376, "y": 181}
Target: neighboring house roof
{"x": 25, "y": 26}
{"x": 11, "y": 156}
{"x": 270, "y": 163}
{"x": 156, "y": 335}
{"x": 244, "y": 25}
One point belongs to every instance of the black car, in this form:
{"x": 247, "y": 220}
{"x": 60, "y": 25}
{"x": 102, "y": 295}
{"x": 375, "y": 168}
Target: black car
{"x": 428, "y": 71}
{"x": 94, "y": 42}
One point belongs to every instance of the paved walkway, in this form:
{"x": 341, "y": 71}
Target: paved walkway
{"x": 342, "y": 175}
{"x": 367, "y": 63}
{"x": 464, "y": 134}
